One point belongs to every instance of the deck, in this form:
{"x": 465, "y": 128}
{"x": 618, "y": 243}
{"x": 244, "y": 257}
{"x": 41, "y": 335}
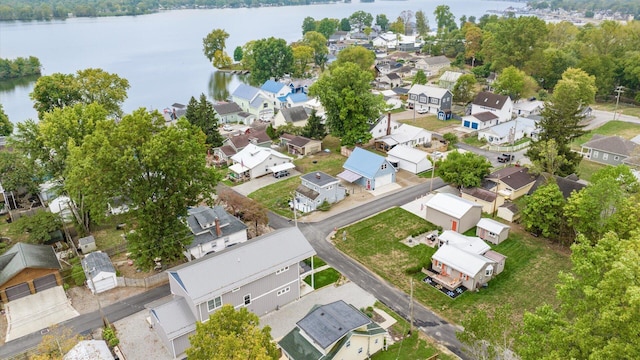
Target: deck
{"x": 448, "y": 282}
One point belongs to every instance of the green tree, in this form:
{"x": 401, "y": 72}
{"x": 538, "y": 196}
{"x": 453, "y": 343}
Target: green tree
{"x": 160, "y": 169}
{"x": 345, "y": 25}
{"x": 473, "y": 42}
{"x": 547, "y": 157}
{"x": 54, "y": 91}
{"x": 515, "y": 41}
{"x": 463, "y": 170}
{"x": 327, "y": 27}
{"x": 445, "y": 20}
{"x": 314, "y": 128}
{"x": 215, "y": 42}
{"x": 420, "y": 78}
{"x": 382, "y": 21}
{"x": 302, "y": 57}
{"x": 318, "y": 42}
{"x": 598, "y": 314}
{"x": 515, "y": 83}
{"x": 18, "y": 173}
{"x": 464, "y": 89}
{"x": 39, "y": 226}
{"x": 348, "y": 102}
{"x": 200, "y": 113}
{"x": 543, "y": 210}
{"x": 273, "y": 58}
{"x": 358, "y": 55}
{"x": 6, "y": 126}
{"x": 488, "y": 336}
{"x": 248, "y": 61}
{"x": 422, "y": 23}
{"x": 237, "y": 54}
{"x": 361, "y": 19}
{"x": 231, "y": 335}
{"x": 397, "y": 27}
{"x": 555, "y": 63}
{"x": 308, "y": 24}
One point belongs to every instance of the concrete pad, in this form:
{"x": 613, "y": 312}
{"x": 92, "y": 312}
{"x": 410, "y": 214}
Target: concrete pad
{"x": 284, "y": 320}
{"x": 418, "y": 206}
{"x": 38, "y": 311}
{"x": 388, "y": 319}
{"x": 258, "y": 183}
{"x": 138, "y": 340}
{"x": 385, "y": 189}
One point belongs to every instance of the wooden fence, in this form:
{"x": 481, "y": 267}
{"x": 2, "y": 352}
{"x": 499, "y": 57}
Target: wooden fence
{"x": 148, "y": 282}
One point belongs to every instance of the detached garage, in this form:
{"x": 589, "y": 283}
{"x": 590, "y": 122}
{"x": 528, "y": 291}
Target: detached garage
{"x": 410, "y": 159}
{"x": 100, "y": 273}
{"x": 26, "y": 269}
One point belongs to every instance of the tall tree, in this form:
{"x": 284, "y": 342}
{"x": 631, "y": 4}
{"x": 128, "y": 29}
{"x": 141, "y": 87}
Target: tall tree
{"x": 407, "y": 19}
{"x": 464, "y": 89}
{"x": 358, "y": 55}
{"x": 327, "y": 27}
{"x": 543, "y": 210}
{"x": 6, "y": 126}
{"x": 314, "y": 128}
{"x": 473, "y": 42}
{"x": 598, "y": 313}
{"x": 420, "y": 78}
{"x": 516, "y": 41}
{"x": 547, "y": 157}
{"x": 514, "y": 83}
{"x": 345, "y": 25}
{"x": 488, "y": 336}
{"x": 422, "y": 23}
{"x": 361, "y": 19}
{"x": 318, "y": 42}
{"x": 200, "y": 113}
{"x": 445, "y": 20}
{"x": 232, "y": 335}
{"x": 382, "y": 21}
{"x": 397, "y": 27}
{"x": 54, "y": 91}
{"x": 348, "y": 102}
{"x": 213, "y": 46}
{"x": 159, "y": 169}
{"x": 18, "y": 173}
{"x": 464, "y": 170}
{"x": 308, "y": 24}
{"x": 302, "y": 57}
{"x": 237, "y": 54}
{"x": 273, "y": 58}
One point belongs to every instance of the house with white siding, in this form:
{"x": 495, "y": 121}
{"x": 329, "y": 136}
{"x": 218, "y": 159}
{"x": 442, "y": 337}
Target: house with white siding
{"x": 255, "y": 161}
{"x": 213, "y": 230}
{"x": 253, "y": 101}
{"x": 453, "y": 212}
{"x": 501, "y": 105}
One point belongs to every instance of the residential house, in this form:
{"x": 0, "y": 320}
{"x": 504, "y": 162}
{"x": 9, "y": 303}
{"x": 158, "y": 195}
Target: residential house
{"x": 368, "y": 170}
{"x": 99, "y": 271}
{"x": 213, "y": 230}
{"x": 261, "y": 275}
{"x": 510, "y": 131}
{"x": 26, "y": 269}
{"x": 315, "y": 189}
{"x": 237, "y": 141}
{"x": 430, "y": 98}
{"x": 385, "y": 67}
{"x": 480, "y": 121}
{"x": 333, "y": 331}
{"x": 492, "y": 231}
{"x": 382, "y": 126}
{"x": 293, "y": 100}
{"x": 228, "y": 112}
{"x": 297, "y": 116}
{"x": 274, "y": 90}
{"x": 609, "y": 150}
{"x": 255, "y": 161}
{"x": 300, "y": 145}
{"x": 403, "y": 134}
{"x": 512, "y": 182}
{"x": 388, "y": 81}
{"x": 299, "y": 85}
{"x": 253, "y": 101}
{"x": 567, "y": 185}
{"x": 431, "y": 65}
{"x": 509, "y": 211}
{"x": 89, "y": 349}
{"x": 449, "y": 79}
{"x": 526, "y": 108}
{"x": 500, "y": 105}
{"x": 489, "y": 200}
{"x": 409, "y": 159}
{"x": 464, "y": 261}
{"x": 452, "y": 212}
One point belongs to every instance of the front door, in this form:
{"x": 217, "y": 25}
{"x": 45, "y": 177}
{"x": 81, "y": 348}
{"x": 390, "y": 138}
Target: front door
{"x": 454, "y": 225}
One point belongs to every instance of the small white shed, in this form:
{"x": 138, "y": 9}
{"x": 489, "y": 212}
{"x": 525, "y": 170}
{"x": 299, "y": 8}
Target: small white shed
{"x": 87, "y": 244}
{"x": 100, "y": 273}
{"x": 492, "y": 231}
{"x": 410, "y": 159}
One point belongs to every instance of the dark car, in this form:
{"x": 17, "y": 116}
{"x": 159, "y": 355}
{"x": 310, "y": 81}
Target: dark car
{"x": 282, "y": 173}
{"x": 506, "y": 158}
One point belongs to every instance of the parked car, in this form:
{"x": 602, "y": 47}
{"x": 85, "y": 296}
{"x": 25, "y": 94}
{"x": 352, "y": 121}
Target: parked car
{"x": 506, "y": 158}
{"x": 422, "y": 111}
{"x": 282, "y": 173}
{"x": 227, "y": 127}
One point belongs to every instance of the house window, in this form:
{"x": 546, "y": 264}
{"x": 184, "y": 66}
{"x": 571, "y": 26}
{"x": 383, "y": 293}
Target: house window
{"x": 605, "y": 156}
{"x": 226, "y": 240}
{"x": 384, "y": 166}
{"x": 283, "y": 291}
{"x": 265, "y": 105}
{"x": 434, "y": 100}
{"x": 214, "y": 304}
{"x": 375, "y": 342}
{"x": 423, "y": 99}
{"x": 247, "y": 299}
{"x": 412, "y": 96}
{"x": 488, "y": 271}
{"x": 278, "y": 272}
{"x": 348, "y": 343}
{"x": 595, "y": 154}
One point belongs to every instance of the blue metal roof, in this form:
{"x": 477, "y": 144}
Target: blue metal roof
{"x": 272, "y": 86}
{"x": 299, "y": 97}
{"x": 245, "y": 91}
{"x": 364, "y": 163}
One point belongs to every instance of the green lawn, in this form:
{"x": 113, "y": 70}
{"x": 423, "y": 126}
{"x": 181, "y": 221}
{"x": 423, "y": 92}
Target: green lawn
{"x": 429, "y": 122}
{"x": 473, "y": 141}
{"x": 323, "y": 278}
{"x": 528, "y": 279}
{"x": 620, "y": 128}
{"x": 107, "y": 235}
{"x": 625, "y": 109}
{"x": 317, "y": 262}
{"x": 276, "y": 196}
{"x": 587, "y": 168}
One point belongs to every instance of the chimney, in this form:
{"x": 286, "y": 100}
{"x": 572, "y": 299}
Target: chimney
{"x": 317, "y": 175}
{"x": 218, "y": 231}
{"x": 388, "y": 123}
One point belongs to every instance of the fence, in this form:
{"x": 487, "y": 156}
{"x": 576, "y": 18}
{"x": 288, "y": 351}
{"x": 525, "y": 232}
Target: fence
{"x": 508, "y": 148}
{"x": 148, "y": 282}
{"x": 115, "y": 250}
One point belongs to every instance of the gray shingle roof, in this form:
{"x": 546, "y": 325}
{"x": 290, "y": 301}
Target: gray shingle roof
{"x": 481, "y": 194}
{"x": 175, "y": 317}
{"x": 22, "y": 256}
{"x": 227, "y": 108}
{"x": 485, "y": 116}
{"x": 201, "y": 221}
{"x": 326, "y": 324}
{"x": 611, "y": 144}
{"x": 319, "y": 178}
{"x": 97, "y": 262}
{"x": 307, "y": 192}
{"x": 295, "y": 114}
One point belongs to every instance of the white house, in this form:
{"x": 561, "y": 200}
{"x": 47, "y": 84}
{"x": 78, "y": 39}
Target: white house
{"x": 501, "y": 105}
{"x": 213, "y": 230}
{"x": 273, "y": 90}
{"x": 409, "y": 158}
{"x": 480, "y": 121}
{"x": 510, "y": 131}
{"x": 432, "y": 64}
{"x": 255, "y": 161}
{"x": 316, "y": 188}
{"x": 100, "y": 273}
{"x": 403, "y": 134}
{"x": 527, "y": 108}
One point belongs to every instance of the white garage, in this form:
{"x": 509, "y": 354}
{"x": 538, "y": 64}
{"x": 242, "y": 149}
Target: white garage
{"x": 100, "y": 273}
{"x": 410, "y": 159}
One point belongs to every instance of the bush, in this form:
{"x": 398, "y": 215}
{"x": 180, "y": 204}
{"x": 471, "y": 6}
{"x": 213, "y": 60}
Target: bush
{"x": 39, "y": 226}
{"x": 109, "y": 335}
{"x": 77, "y": 274}
{"x": 325, "y": 206}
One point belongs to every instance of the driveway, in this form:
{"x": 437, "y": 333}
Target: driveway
{"x": 38, "y": 311}
{"x": 256, "y": 184}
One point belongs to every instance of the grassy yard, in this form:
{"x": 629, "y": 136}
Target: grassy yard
{"x": 623, "y": 108}
{"x": 323, "y": 278}
{"x": 331, "y": 163}
{"x": 276, "y": 196}
{"x": 107, "y": 235}
{"x": 429, "y": 122}
{"x": 620, "y": 128}
{"x": 317, "y": 262}
{"x": 473, "y": 141}
{"x": 587, "y": 168}
{"x": 527, "y": 281}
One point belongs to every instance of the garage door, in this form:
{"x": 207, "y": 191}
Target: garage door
{"x": 18, "y": 291}
{"x": 467, "y": 123}
{"x": 384, "y": 180}
{"x": 45, "y": 282}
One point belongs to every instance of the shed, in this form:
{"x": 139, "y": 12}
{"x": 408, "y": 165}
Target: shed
{"x": 453, "y": 212}
{"x": 509, "y": 211}
{"x": 89, "y": 349}
{"x": 87, "y": 244}
{"x": 410, "y": 159}
{"x": 492, "y": 231}
{"x": 100, "y": 273}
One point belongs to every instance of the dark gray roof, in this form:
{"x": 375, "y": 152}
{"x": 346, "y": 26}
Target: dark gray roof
{"x": 295, "y": 114}
{"x": 227, "y": 108}
{"x": 611, "y": 144}
{"x": 23, "y": 256}
{"x": 201, "y": 220}
{"x": 97, "y": 262}
{"x": 319, "y": 178}
{"x": 490, "y": 99}
{"x": 308, "y": 193}
{"x": 393, "y": 76}
{"x": 518, "y": 179}
{"x": 298, "y": 347}
{"x": 299, "y": 141}
{"x": 485, "y": 116}
{"x": 481, "y": 194}
{"x": 567, "y": 185}
{"x": 437, "y": 60}
{"x": 326, "y": 324}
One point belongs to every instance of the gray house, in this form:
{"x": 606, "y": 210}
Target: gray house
{"x": 609, "y": 150}
{"x": 431, "y": 99}
{"x": 261, "y": 275}
{"x": 453, "y": 212}
{"x": 214, "y": 229}
{"x": 315, "y": 189}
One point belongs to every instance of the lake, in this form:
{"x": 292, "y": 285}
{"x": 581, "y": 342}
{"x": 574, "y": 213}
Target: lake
{"x": 161, "y": 54}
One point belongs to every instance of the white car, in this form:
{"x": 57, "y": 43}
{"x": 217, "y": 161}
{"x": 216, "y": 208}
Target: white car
{"x": 227, "y": 127}
{"x": 422, "y": 111}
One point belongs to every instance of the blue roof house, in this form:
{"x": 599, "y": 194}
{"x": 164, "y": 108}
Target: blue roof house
{"x": 253, "y": 101}
{"x": 275, "y": 90}
{"x": 367, "y": 169}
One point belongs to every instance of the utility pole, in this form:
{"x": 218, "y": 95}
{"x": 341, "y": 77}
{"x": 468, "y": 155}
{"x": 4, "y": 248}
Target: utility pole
{"x": 619, "y": 90}
{"x": 411, "y": 309}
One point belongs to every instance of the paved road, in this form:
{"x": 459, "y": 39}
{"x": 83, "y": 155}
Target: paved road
{"x": 602, "y": 117}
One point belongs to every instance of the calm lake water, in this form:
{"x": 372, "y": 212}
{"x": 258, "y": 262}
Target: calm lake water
{"x": 161, "y": 54}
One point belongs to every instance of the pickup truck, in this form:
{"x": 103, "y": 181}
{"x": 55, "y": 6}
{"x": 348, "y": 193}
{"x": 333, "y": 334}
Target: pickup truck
{"x": 505, "y": 158}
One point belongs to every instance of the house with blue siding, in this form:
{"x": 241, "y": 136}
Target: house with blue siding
{"x": 292, "y": 100}
{"x": 254, "y": 101}
{"x": 274, "y": 90}
{"x": 368, "y": 170}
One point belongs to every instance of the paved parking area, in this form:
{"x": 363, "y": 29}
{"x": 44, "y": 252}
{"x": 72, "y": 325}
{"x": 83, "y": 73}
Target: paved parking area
{"x": 255, "y": 184}
{"x": 38, "y": 311}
